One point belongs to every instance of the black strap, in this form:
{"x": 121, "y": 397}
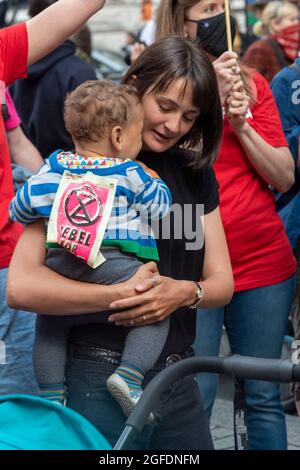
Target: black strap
{"x": 283, "y": 62}
{"x": 240, "y": 416}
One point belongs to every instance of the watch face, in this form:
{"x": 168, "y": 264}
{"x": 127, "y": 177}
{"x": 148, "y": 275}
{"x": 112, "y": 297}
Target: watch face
{"x": 199, "y": 296}
{"x": 200, "y": 292}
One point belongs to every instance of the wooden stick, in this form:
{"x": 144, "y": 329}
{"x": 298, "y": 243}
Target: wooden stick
{"x": 228, "y": 27}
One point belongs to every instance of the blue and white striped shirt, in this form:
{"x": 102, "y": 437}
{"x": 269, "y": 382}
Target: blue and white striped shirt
{"x": 139, "y": 199}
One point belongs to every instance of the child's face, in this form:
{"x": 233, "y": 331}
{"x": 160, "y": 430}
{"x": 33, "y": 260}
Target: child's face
{"x": 132, "y": 142}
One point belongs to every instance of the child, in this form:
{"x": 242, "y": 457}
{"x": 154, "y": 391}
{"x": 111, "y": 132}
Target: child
{"x": 105, "y": 122}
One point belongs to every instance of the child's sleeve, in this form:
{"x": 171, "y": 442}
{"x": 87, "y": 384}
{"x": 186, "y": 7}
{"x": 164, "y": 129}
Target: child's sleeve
{"x": 35, "y": 199}
{"x": 148, "y": 170}
{"x": 153, "y": 197}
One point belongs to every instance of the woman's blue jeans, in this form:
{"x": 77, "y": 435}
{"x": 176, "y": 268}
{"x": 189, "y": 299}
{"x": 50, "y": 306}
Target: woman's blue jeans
{"x": 255, "y": 322}
{"x": 16, "y": 343}
{"x": 180, "y": 421}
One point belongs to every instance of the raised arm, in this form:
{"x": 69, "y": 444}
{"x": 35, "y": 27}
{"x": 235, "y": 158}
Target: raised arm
{"x": 34, "y": 287}
{"x": 55, "y": 24}
{"x": 22, "y": 151}
{"x": 273, "y": 162}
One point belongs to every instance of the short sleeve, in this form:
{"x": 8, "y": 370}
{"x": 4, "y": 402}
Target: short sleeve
{"x": 209, "y": 190}
{"x": 13, "y": 121}
{"x": 266, "y": 120}
{"x": 13, "y": 53}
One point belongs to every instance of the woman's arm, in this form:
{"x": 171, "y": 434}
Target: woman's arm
{"x": 217, "y": 275}
{"x": 34, "y": 287}
{"x": 275, "y": 165}
{"x": 55, "y": 24}
{"x": 170, "y": 294}
{"x": 22, "y": 151}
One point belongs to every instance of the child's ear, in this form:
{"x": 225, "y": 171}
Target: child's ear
{"x": 116, "y": 136}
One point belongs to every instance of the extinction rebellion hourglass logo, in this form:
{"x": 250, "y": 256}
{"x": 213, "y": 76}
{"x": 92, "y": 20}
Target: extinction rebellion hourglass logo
{"x": 82, "y": 206}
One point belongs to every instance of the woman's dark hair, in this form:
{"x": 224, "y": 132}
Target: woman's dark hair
{"x": 37, "y": 6}
{"x": 175, "y": 58}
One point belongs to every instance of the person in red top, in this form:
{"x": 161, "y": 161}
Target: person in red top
{"x": 20, "y": 338}
{"x": 23, "y": 153}
{"x": 254, "y": 156}
{"x": 22, "y": 45}
{"x": 260, "y": 251}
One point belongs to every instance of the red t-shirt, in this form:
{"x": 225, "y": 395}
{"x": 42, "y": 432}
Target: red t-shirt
{"x": 13, "y": 65}
{"x": 259, "y": 248}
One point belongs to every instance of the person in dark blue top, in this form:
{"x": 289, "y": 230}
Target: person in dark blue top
{"x": 39, "y": 98}
{"x": 286, "y": 90}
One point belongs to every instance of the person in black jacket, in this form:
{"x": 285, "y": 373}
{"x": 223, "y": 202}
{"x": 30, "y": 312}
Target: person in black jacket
{"x": 39, "y": 98}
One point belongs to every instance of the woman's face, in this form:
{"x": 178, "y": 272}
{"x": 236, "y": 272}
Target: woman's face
{"x": 168, "y": 116}
{"x": 289, "y": 19}
{"x": 200, "y": 11}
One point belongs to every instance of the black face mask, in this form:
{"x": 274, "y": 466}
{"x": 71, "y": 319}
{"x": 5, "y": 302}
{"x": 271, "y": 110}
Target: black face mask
{"x": 211, "y": 33}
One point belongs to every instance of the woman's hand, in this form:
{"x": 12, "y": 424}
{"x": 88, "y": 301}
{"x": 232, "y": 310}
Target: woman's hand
{"x": 136, "y": 51}
{"x": 141, "y": 281}
{"x": 159, "y": 297}
{"x": 237, "y": 105}
{"x": 227, "y": 71}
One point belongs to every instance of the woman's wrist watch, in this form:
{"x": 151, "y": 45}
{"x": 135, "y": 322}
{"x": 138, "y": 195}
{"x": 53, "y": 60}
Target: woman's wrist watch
{"x": 199, "y": 295}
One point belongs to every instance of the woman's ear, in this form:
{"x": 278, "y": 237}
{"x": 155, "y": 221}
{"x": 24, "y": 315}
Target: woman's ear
{"x": 116, "y": 137}
{"x": 274, "y": 26}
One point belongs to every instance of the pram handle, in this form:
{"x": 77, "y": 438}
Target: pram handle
{"x": 272, "y": 370}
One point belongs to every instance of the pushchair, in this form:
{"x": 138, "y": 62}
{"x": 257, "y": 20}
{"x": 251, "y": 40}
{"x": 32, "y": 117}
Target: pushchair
{"x": 32, "y": 423}
{"x": 50, "y": 426}
{"x": 238, "y": 367}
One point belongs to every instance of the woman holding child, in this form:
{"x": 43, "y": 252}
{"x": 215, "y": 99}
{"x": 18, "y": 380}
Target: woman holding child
{"x": 178, "y": 94}
{"x": 254, "y": 155}
{"x": 176, "y": 85}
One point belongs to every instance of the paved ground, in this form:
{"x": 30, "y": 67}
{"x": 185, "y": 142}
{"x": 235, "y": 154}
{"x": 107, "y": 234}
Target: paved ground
{"x": 222, "y": 427}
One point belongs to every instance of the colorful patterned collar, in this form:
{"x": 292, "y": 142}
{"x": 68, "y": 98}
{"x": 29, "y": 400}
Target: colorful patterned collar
{"x": 72, "y": 160}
